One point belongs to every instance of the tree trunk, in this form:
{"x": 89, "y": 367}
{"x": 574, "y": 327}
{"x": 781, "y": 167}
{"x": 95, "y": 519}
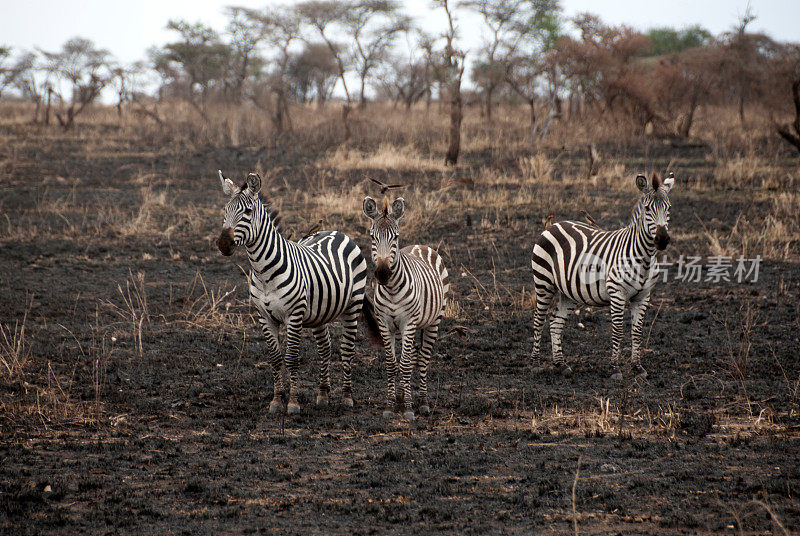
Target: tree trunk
{"x": 47, "y": 107}
{"x": 532, "y": 126}
{"x": 686, "y": 127}
{"x": 455, "y": 125}
{"x": 488, "y": 103}
{"x": 741, "y": 108}
{"x": 783, "y": 130}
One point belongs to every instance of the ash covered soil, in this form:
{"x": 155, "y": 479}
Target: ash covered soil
{"x": 172, "y": 436}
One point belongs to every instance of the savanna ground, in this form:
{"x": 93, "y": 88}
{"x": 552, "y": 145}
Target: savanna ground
{"x": 134, "y": 390}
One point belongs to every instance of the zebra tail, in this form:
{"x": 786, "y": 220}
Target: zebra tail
{"x": 368, "y": 312}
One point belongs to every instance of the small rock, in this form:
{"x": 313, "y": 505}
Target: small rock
{"x": 48, "y": 489}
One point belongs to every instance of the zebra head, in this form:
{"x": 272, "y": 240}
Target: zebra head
{"x": 653, "y": 207}
{"x": 236, "y": 228}
{"x": 384, "y": 234}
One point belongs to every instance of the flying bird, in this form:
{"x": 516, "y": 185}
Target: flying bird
{"x": 386, "y": 187}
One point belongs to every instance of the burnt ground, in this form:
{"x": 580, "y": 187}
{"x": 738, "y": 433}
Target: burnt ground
{"x": 101, "y": 437}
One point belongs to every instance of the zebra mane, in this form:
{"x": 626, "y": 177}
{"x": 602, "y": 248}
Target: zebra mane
{"x": 273, "y": 212}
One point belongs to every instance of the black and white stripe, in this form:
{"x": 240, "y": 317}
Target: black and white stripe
{"x": 410, "y": 295}
{"x": 300, "y": 285}
{"x": 582, "y": 264}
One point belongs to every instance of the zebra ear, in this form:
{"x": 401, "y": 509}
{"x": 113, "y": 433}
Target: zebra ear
{"x": 641, "y": 183}
{"x": 398, "y": 208}
{"x": 668, "y": 183}
{"x": 655, "y": 178}
{"x": 370, "y": 208}
{"x": 254, "y": 182}
{"x": 228, "y": 187}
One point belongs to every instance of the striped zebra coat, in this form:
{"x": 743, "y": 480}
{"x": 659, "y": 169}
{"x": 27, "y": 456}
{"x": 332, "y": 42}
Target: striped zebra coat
{"x": 300, "y": 285}
{"x": 410, "y": 296}
{"x": 582, "y": 264}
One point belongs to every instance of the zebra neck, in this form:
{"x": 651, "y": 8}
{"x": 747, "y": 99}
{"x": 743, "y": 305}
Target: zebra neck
{"x": 643, "y": 241}
{"x": 267, "y": 246}
{"x": 399, "y": 274}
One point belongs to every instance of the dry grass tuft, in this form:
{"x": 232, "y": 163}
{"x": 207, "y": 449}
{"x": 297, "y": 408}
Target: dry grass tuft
{"x": 386, "y": 157}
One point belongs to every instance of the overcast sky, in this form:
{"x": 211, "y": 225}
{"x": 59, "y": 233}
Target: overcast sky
{"x": 128, "y": 28}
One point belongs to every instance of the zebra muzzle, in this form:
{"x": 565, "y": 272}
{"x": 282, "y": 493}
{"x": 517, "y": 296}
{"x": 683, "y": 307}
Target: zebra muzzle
{"x": 226, "y": 243}
{"x": 382, "y": 271}
{"x": 662, "y": 237}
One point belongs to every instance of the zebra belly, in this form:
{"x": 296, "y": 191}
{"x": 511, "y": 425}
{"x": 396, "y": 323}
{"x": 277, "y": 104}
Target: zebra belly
{"x": 332, "y": 290}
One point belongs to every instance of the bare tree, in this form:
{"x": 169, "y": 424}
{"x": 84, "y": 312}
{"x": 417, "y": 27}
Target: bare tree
{"x": 12, "y": 70}
{"x": 322, "y": 15}
{"x": 500, "y": 16}
{"x": 84, "y": 70}
{"x": 281, "y": 28}
{"x": 313, "y": 71}
{"x": 530, "y": 58}
{"x": 452, "y": 72}
{"x": 246, "y": 31}
{"x": 373, "y": 25}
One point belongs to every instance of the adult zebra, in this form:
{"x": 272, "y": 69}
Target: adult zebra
{"x": 584, "y": 264}
{"x": 302, "y": 285}
{"x": 410, "y": 295}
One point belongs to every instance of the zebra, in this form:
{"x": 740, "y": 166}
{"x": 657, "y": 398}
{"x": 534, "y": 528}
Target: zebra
{"x": 584, "y": 264}
{"x": 410, "y": 295}
{"x": 306, "y": 284}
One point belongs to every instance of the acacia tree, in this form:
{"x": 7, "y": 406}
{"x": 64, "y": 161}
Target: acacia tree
{"x": 787, "y": 75}
{"x": 12, "y": 70}
{"x": 313, "y": 71}
{"x": 84, "y": 70}
{"x": 604, "y": 64}
{"x": 194, "y": 63}
{"x": 324, "y": 16}
{"x": 533, "y": 34}
{"x": 500, "y": 16}
{"x": 246, "y": 31}
{"x": 373, "y": 26}
{"x": 409, "y": 78}
{"x": 282, "y": 28}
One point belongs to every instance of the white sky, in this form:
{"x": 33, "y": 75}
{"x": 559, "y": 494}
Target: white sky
{"x": 128, "y": 28}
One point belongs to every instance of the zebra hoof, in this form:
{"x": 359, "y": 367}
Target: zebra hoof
{"x": 565, "y": 370}
{"x": 292, "y": 408}
{"x": 274, "y": 406}
{"x": 617, "y": 377}
{"x": 347, "y": 402}
{"x": 388, "y": 414}
{"x": 425, "y": 410}
{"x": 639, "y": 371}
{"x": 539, "y": 369}
{"x": 322, "y": 400}
{"x": 408, "y": 415}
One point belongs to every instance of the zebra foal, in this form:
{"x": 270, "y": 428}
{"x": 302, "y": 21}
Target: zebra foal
{"x": 410, "y": 295}
{"x": 300, "y": 285}
{"x": 581, "y": 263}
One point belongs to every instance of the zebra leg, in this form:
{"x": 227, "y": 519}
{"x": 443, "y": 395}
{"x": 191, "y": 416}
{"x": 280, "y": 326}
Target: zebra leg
{"x": 565, "y": 306}
{"x": 429, "y": 336}
{"x": 323, "y": 339}
{"x": 544, "y": 297}
{"x": 638, "y": 309}
{"x": 294, "y": 331}
{"x": 347, "y": 349}
{"x": 617, "y": 328}
{"x": 406, "y": 365}
{"x": 398, "y": 344}
{"x": 270, "y": 330}
{"x": 391, "y": 370}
